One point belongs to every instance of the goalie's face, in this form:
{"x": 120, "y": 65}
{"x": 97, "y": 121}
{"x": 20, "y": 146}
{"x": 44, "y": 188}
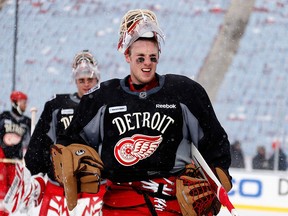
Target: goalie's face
{"x": 84, "y": 84}
{"x": 143, "y": 58}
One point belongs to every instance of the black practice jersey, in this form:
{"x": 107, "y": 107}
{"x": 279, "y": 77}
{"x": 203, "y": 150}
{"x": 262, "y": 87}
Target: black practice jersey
{"x": 55, "y": 118}
{"x": 142, "y": 135}
{"x": 14, "y": 134}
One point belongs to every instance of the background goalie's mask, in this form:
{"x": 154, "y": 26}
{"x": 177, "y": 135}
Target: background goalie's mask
{"x": 136, "y": 24}
{"x": 85, "y": 66}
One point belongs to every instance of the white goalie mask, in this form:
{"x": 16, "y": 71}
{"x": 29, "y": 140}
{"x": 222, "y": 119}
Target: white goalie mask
{"x": 85, "y": 66}
{"x": 138, "y": 23}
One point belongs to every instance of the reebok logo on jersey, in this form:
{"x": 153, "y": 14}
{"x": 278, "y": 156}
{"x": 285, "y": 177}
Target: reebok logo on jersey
{"x": 166, "y": 106}
{"x": 117, "y": 109}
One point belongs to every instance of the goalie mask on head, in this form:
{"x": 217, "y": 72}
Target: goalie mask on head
{"x": 85, "y": 66}
{"x": 138, "y": 23}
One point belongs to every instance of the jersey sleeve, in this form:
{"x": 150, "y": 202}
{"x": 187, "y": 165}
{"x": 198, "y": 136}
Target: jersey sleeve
{"x": 214, "y": 145}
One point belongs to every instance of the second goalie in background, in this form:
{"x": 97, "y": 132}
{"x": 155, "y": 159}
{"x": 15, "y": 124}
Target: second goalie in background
{"x": 143, "y": 126}
{"x": 54, "y": 119}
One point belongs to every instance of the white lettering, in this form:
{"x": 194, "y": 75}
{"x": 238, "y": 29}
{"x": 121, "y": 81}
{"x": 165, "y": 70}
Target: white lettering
{"x": 66, "y": 120}
{"x": 14, "y": 128}
{"x": 146, "y": 117}
{"x": 166, "y": 106}
{"x": 137, "y": 115}
{"x": 170, "y": 120}
{"x": 155, "y": 120}
{"x": 128, "y": 121}
{"x": 120, "y": 125}
{"x": 137, "y": 120}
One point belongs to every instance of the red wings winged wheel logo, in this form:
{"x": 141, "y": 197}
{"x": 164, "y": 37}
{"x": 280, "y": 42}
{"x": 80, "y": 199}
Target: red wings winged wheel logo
{"x": 128, "y": 151}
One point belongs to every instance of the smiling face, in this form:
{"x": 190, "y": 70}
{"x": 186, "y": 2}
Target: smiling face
{"x": 143, "y": 59}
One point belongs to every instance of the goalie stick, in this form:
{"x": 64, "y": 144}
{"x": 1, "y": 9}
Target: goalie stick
{"x": 213, "y": 180}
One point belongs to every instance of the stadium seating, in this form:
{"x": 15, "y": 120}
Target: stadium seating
{"x": 252, "y": 101}
{"x": 51, "y": 32}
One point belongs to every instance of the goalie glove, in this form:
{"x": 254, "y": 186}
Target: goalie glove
{"x": 77, "y": 168}
{"x": 195, "y": 195}
{"x": 26, "y": 191}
